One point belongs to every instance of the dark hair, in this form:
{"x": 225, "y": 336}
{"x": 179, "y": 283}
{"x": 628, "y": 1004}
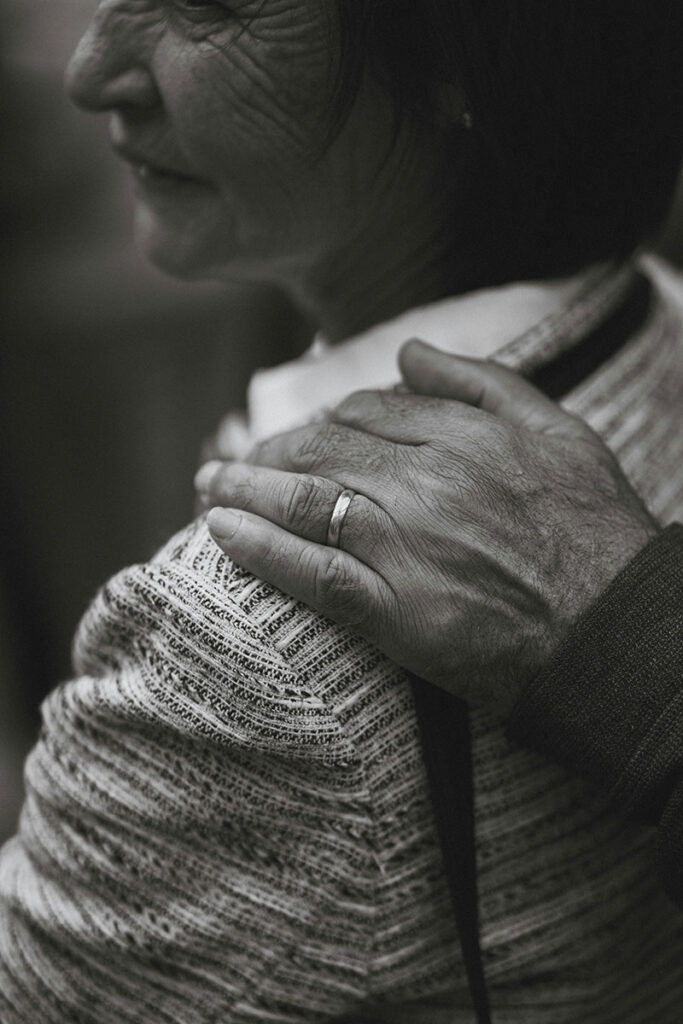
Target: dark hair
{"x": 577, "y": 107}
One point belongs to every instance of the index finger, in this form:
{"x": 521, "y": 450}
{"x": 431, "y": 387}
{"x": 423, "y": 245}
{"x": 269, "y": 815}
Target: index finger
{"x": 405, "y": 418}
{"x": 328, "y": 449}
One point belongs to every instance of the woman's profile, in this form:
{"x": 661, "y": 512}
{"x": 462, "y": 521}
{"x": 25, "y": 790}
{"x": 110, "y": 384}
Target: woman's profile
{"x": 228, "y": 817}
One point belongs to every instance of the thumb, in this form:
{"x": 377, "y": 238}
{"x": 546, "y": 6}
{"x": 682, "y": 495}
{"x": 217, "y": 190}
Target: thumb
{"x": 487, "y": 385}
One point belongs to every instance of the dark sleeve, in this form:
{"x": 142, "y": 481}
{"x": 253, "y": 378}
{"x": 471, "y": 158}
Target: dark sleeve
{"x": 609, "y": 705}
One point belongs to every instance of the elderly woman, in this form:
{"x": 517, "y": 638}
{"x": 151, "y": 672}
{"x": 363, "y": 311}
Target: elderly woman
{"x": 228, "y": 814}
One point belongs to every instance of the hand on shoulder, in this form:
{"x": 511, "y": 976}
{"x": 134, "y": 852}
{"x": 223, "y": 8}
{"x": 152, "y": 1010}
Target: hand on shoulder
{"x": 485, "y": 519}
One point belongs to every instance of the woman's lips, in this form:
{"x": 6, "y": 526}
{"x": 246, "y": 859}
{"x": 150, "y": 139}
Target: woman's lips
{"x": 151, "y": 174}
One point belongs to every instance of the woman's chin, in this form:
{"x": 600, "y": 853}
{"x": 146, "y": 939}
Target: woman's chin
{"x": 206, "y": 245}
{"x": 178, "y": 246}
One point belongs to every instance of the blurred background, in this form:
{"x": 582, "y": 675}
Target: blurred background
{"x": 110, "y": 375}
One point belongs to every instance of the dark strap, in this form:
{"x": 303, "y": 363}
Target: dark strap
{"x": 443, "y": 719}
{"x": 444, "y": 724}
{"x": 562, "y": 374}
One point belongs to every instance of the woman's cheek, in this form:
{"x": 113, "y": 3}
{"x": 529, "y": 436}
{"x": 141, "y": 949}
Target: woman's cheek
{"x": 250, "y": 113}
{"x": 265, "y": 85}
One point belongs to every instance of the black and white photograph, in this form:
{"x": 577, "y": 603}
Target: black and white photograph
{"x": 341, "y": 512}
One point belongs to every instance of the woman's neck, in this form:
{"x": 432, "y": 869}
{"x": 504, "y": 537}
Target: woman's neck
{"x": 377, "y": 283}
{"x": 392, "y": 262}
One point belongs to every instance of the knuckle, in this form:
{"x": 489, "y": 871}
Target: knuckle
{"x": 353, "y": 404}
{"x": 332, "y": 577}
{"x": 311, "y": 449}
{"x": 335, "y": 587}
{"x": 234, "y": 486}
{"x": 301, "y": 505}
{"x": 275, "y": 451}
{"x": 359, "y": 405}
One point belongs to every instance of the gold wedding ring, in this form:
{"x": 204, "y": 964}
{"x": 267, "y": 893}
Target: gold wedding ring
{"x": 337, "y": 518}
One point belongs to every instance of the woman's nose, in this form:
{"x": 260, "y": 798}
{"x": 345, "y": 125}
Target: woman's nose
{"x": 109, "y": 67}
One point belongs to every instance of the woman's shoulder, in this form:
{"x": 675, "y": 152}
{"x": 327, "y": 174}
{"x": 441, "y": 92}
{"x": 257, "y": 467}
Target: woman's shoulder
{"x": 191, "y": 625}
{"x": 199, "y": 795}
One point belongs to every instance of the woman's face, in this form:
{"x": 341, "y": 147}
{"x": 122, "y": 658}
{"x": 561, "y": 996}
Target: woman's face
{"x": 223, "y": 112}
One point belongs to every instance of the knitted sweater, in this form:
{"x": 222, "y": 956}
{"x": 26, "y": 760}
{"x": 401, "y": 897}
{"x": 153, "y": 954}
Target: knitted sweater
{"x": 228, "y": 820}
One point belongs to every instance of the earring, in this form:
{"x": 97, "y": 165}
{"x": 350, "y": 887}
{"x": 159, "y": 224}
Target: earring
{"x": 452, "y": 105}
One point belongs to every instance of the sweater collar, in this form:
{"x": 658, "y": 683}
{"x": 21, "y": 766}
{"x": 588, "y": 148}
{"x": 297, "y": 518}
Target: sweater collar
{"x": 522, "y": 323}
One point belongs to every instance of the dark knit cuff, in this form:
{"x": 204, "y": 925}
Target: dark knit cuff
{"x": 609, "y": 705}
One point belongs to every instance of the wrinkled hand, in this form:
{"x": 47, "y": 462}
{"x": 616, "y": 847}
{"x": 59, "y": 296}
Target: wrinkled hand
{"x": 485, "y": 520}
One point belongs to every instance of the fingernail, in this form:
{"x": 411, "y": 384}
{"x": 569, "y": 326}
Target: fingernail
{"x": 205, "y": 475}
{"x": 223, "y": 522}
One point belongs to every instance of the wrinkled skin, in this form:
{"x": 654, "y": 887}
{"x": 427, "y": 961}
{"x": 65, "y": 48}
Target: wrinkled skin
{"x": 486, "y": 520}
{"x": 237, "y": 99}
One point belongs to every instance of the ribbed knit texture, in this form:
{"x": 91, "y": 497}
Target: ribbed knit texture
{"x": 609, "y": 705}
{"x": 228, "y": 820}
